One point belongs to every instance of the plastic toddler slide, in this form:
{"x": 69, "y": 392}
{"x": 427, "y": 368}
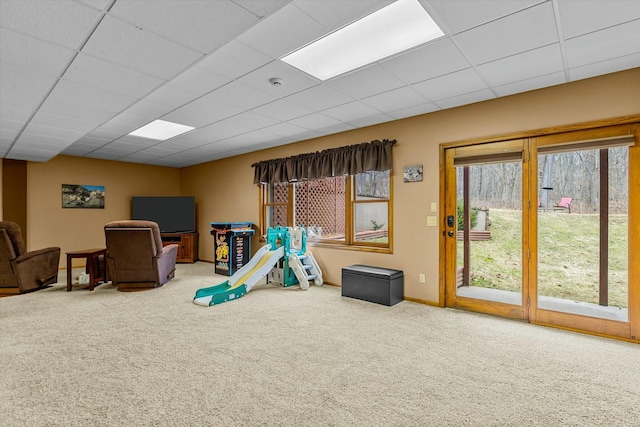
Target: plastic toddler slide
{"x": 242, "y": 280}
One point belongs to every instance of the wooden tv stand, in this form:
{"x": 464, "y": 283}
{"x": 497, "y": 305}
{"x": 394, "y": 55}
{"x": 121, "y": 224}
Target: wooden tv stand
{"x": 187, "y": 245}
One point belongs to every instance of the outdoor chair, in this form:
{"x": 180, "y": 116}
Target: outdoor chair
{"x": 564, "y": 205}
{"x": 22, "y": 271}
{"x": 137, "y": 259}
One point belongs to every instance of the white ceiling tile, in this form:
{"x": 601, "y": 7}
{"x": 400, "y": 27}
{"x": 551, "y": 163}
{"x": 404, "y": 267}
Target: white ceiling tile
{"x": 526, "y": 30}
{"x": 395, "y": 99}
{"x": 24, "y": 88}
{"x": 414, "y": 111}
{"x": 215, "y": 132}
{"x": 459, "y": 15}
{"x": 12, "y": 125}
{"x": 210, "y": 23}
{"x": 119, "y": 147}
{"x": 244, "y": 140}
{"x": 453, "y": 84}
{"x": 464, "y": 99}
{"x": 183, "y": 143}
{"x": 603, "y": 45}
{"x": 124, "y": 44}
{"x": 134, "y": 141}
{"x": 340, "y": 127}
{"x": 10, "y": 112}
{"x": 371, "y": 120}
{"x": 198, "y": 81}
{"x": 210, "y": 109}
{"x": 531, "y": 84}
{"x": 115, "y": 78}
{"x": 28, "y": 52}
{"x": 234, "y": 60}
{"x": 91, "y": 143}
{"x": 31, "y": 154}
{"x": 188, "y": 118}
{"x": 334, "y": 14}
{"x": 319, "y": 98}
{"x": 56, "y": 132}
{"x": 262, "y": 8}
{"x": 240, "y": 95}
{"x": 53, "y": 120}
{"x": 582, "y": 17}
{"x": 104, "y": 155}
{"x": 111, "y": 130}
{"x": 129, "y": 119}
{"x": 43, "y": 141}
{"x": 8, "y": 134}
{"x": 366, "y": 82}
{"x": 605, "y": 67}
{"x": 255, "y": 120}
{"x": 282, "y": 110}
{"x": 102, "y": 134}
{"x": 150, "y": 110}
{"x": 286, "y": 30}
{"x": 285, "y": 129}
{"x": 315, "y": 121}
{"x": 97, "y": 4}
{"x": 524, "y": 66}
{"x": 352, "y": 111}
{"x": 170, "y": 96}
{"x": 85, "y": 102}
{"x": 432, "y": 60}
{"x": 76, "y": 150}
{"x": 62, "y": 22}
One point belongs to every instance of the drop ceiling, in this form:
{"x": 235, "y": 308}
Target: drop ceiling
{"x": 76, "y": 76}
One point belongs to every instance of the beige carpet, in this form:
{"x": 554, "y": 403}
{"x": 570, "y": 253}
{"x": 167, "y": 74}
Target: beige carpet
{"x": 286, "y": 357}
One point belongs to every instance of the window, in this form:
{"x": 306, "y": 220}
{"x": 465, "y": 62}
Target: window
{"x": 348, "y": 210}
{"x": 275, "y": 204}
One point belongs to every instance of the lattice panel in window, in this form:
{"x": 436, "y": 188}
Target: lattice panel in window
{"x": 278, "y": 192}
{"x": 320, "y": 205}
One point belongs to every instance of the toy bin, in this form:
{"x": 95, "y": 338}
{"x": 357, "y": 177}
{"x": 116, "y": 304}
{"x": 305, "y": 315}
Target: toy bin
{"x": 232, "y": 245}
{"x": 374, "y": 284}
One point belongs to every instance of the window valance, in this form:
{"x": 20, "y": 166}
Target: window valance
{"x": 349, "y": 160}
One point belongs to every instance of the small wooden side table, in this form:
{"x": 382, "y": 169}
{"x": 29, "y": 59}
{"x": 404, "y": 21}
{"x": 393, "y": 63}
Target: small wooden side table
{"x": 92, "y": 258}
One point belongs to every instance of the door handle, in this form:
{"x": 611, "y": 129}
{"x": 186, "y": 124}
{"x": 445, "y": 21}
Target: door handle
{"x": 450, "y": 233}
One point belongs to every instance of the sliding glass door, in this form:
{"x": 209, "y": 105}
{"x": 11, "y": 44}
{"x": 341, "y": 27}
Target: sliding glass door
{"x": 543, "y": 228}
{"x": 487, "y": 234}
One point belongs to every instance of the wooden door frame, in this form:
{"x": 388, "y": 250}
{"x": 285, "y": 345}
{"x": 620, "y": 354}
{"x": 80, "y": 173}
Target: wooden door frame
{"x": 554, "y": 135}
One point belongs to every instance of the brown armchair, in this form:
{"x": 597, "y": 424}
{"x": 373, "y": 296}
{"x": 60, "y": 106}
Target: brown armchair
{"x": 22, "y": 271}
{"x": 136, "y": 256}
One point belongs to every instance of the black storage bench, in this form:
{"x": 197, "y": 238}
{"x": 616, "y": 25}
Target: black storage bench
{"x": 374, "y": 284}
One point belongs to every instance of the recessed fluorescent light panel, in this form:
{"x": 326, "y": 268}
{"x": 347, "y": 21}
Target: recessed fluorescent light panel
{"x": 388, "y": 31}
{"x": 161, "y": 130}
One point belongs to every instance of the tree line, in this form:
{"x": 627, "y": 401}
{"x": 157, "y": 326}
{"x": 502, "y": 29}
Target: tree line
{"x": 574, "y": 174}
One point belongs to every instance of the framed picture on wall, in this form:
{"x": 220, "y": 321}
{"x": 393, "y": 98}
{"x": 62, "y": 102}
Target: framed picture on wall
{"x": 413, "y": 173}
{"x": 83, "y": 196}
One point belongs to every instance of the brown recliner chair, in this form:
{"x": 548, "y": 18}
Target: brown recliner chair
{"x": 136, "y": 258}
{"x": 22, "y": 271}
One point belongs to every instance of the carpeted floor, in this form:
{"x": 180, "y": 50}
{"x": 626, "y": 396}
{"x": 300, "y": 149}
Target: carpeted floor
{"x": 286, "y": 357}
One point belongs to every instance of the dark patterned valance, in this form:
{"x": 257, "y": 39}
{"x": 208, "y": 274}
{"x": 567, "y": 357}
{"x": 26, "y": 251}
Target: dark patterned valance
{"x": 350, "y": 160}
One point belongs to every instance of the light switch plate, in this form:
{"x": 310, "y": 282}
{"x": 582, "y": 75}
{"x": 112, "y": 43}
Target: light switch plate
{"x": 434, "y": 206}
{"x": 432, "y": 221}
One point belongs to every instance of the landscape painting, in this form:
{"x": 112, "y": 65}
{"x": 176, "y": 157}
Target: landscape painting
{"x": 83, "y": 196}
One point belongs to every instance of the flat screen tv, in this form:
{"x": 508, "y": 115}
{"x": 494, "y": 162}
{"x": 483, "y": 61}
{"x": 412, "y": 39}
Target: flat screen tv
{"x": 174, "y": 214}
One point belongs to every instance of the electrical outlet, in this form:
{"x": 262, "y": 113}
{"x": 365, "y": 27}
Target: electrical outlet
{"x": 421, "y": 278}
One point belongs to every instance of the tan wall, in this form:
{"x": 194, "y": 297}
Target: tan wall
{"x": 74, "y": 229}
{"x": 224, "y": 189}
{"x": 1, "y": 196}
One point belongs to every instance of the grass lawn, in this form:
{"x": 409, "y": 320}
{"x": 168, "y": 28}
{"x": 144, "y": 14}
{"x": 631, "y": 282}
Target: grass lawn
{"x": 568, "y": 256}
